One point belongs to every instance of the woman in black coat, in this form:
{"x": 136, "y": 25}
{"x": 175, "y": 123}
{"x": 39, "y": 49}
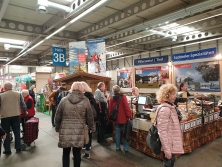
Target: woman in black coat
{"x": 95, "y": 109}
{"x": 32, "y": 93}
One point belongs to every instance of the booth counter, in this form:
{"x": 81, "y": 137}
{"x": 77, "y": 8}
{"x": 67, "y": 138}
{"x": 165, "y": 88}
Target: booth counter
{"x": 194, "y": 134}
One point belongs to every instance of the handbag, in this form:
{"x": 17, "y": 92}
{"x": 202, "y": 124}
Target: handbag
{"x": 153, "y": 139}
{"x": 114, "y": 112}
{"x": 85, "y": 127}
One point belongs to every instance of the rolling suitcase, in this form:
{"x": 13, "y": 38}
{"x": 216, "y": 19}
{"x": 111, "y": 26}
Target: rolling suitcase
{"x": 31, "y": 130}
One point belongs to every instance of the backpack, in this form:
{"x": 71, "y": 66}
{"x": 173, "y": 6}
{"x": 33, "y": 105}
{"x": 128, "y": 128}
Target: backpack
{"x": 114, "y": 112}
{"x": 60, "y": 96}
{"x": 153, "y": 139}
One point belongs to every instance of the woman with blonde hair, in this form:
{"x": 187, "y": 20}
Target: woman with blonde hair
{"x": 69, "y": 126}
{"x": 95, "y": 109}
{"x": 168, "y": 125}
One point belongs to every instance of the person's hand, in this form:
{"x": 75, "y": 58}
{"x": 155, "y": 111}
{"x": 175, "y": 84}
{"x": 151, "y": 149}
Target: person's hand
{"x": 27, "y": 113}
{"x": 4, "y": 137}
{"x": 90, "y": 131}
{"x": 168, "y": 156}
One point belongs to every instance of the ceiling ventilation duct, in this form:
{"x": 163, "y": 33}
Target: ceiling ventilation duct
{"x": 42, "y": 6}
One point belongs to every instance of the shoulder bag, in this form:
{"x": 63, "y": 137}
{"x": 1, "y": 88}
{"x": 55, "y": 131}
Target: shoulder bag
{"x": 153, "y": 139}
{"x": 114, "y": 112}
{"x": 86, "y": 129}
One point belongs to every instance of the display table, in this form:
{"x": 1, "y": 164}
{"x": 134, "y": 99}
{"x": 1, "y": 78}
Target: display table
{"x": 193, "y": 138}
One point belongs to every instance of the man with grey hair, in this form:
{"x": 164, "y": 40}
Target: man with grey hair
{"x": 102, "y": 104}
{"x": 10, "y": 104}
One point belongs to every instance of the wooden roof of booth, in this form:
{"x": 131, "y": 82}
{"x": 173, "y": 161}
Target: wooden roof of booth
{"x": 82, "y": 74}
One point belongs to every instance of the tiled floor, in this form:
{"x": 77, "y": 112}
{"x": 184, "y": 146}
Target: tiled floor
{"x": 47, "y": 154}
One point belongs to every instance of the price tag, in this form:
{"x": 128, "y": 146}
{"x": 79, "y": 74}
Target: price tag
{"x": 198, "y": 121}
{"x": 182, "y": 127}
{"x": 135, "y": 124}
{"x": 193, "y": 123}
{"x": 211, "y": 117}
{"x": 206, "y": 119}
{"x": 186, "y": 126}
{"x": 216, "y": 115}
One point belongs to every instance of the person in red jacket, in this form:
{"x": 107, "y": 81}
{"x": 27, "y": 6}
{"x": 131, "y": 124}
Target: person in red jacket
{"x": 30, "y": 107}
{"x": 124, "y": 114}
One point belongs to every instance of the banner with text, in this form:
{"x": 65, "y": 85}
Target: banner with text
{"x": 199, "y": 76}
{"x": 77, "y": 56}
{"x": 124, "y": 78}
{"x": 151, "y": 60}
{"x": 58, "y": 55}
{"x": 199, "y": 54}
{"x": 151, "y": 77}
{"x": 96, "y": 56}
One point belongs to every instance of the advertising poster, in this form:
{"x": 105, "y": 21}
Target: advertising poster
{"x": 96, "y": 56}
{"x": 77, "y": 56}
{"x": 124, "y": 78}
{"x": 202, "y": 76}
{"x": 151, "y": 77}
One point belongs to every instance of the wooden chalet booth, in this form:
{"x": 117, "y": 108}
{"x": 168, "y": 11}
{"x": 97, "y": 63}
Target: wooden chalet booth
{"x": 91, "y": 79}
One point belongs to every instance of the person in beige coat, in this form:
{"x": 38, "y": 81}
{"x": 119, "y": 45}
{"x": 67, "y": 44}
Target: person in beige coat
{"x": 168, "y": 124}
{"x": 67, "y": 123}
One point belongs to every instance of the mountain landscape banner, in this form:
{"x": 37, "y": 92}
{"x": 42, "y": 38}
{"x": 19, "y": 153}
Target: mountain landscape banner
{"x": 202, "y": 76}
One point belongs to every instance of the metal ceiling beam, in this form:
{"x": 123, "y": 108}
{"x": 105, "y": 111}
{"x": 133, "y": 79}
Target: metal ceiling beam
{"x": 169, "y": 35}
{"x": 4, "y": 6}
{"x": 182, "y": 41}
{"x": 121, "y": 15}
{"x": 213, "y": 33}
{"x": 32, "y": 28}
{"x": 160, "y": 21}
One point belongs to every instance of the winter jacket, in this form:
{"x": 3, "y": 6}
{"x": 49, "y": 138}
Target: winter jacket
{"x": 30, "y": 107}
{"x": 67, "y": 123}
{"x": 57, "y": 93}
{"x": 169, "y": 130}
{"x": 94, "y": 105}
{"x": 124, "y": 112}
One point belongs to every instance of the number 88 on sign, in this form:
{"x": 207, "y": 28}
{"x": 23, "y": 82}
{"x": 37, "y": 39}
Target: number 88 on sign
{"x": 58, "y": 56}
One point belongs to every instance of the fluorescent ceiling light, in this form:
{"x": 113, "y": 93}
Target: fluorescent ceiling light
{"x": 166, "y": 27}
{"x": 12, "y": 41}
{"x": 35, "y": 45}
{"x": 57, "y": 31}
{"x": 60, "y": 29}
{"x": 182, "y": 30}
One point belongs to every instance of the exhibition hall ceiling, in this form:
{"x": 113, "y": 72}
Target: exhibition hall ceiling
{"x": 128, "y": 26}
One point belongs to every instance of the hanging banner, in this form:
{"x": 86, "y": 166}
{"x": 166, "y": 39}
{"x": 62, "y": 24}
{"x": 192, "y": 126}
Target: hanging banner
{"x": 96, "y": 56}
{"x": 58, "y": 55}
{"x": 199, "y": 76}
{"x": 124, "y": 78}
{"x": 77, "y": 56}
{"x": 199, "y": 54}
{"x": 151, "y": 60}
{"x": 151, "y": 77}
